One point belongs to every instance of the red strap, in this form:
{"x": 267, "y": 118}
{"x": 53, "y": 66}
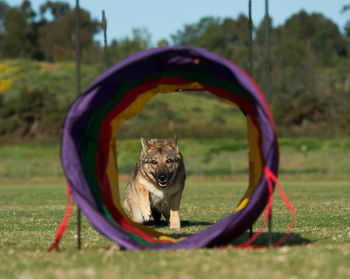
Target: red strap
{"x": 270, "y": 177}
{"x": 63, "y": 225}
{"x": 289, "y": 205}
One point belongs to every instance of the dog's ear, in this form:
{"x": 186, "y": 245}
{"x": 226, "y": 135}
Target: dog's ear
{"x": 144, "y": 144}
{"x": 174, "y": 140}
{"x": 173, "y": 143}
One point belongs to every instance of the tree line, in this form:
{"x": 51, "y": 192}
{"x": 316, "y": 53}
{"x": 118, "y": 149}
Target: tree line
{"x": 310, "y": 73}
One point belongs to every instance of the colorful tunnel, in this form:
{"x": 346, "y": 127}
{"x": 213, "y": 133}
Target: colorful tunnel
{"x": 89, "y": 140}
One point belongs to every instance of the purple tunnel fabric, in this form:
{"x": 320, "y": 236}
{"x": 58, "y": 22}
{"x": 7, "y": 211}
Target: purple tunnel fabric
{"x": 88, "y": 142}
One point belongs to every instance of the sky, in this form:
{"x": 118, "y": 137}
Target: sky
{"x": 162, "y": 18}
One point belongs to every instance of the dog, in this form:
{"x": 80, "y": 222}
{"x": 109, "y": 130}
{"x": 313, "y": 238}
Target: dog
{"x": 156, "y": 183}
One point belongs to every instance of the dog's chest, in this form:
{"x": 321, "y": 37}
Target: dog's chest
{"x": 157, "y": 201}
{"x": 151, "y": 189}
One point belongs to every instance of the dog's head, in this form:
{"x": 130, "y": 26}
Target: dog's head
{"x": 160, "y": 159}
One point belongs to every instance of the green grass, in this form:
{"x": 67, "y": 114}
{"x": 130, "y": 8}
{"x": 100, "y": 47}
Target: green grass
{"x": 30, "y": 212}
{"x": 30, "y": 160}
{"x": 204, "y": 157}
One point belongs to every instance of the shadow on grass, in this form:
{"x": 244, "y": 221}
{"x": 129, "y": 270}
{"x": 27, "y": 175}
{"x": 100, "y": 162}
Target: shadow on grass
{"x": 163, "y": 223}
{"x": 177, "y": 233}
{"x": 263, "y": 239}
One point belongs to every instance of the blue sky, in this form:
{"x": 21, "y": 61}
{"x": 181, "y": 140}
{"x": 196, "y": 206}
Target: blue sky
{"x": 163, "y": 18}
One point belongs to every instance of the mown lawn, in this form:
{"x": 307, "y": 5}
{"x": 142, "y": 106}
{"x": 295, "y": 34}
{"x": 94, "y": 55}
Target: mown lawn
{"x": 30, "y": 211}
{"x": 203, "y": 157}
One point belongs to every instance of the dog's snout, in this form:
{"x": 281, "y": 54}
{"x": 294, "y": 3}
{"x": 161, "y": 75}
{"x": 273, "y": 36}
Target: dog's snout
{"x": 162, "y": 177}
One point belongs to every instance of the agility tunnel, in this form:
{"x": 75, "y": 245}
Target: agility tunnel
{"x": 89, "y": 154}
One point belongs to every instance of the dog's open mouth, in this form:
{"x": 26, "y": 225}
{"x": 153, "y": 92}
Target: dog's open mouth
{"x": 163, "y": 184}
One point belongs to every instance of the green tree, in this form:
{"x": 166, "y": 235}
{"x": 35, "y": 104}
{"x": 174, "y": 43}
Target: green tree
{"x": 57, "y": 9}
{"x": 307, "y": 53}
{"x": 18, "y": 35}
{"x": 346, "y": 8}
{"x": 57, "y": 37}
{"x": 319, "y": 35}
{"x": 3, "y": 10}
{"x": 192, "y": 32}
{"x": 140, "y": 40}
{"x": 163, "y": 42}
{"x": 226, "y": 37}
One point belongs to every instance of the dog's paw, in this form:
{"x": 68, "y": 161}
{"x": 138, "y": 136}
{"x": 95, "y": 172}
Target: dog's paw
{"x": 146, "y": 214}
{"x": 175, "y": 225}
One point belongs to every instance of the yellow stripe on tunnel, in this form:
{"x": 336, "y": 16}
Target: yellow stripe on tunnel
{"x": 255, "y": 159}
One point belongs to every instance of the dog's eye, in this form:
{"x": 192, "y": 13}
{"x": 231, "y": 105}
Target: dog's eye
{"x": 169, "y": 161}
{"x": 153, "y": 162}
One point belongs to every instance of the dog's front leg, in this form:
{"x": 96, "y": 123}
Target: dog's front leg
{"x": 145, "y": 205}
{"x": 174, "y": 211}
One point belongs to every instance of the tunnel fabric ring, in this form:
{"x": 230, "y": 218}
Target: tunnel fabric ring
{"x": 88, "y": 149}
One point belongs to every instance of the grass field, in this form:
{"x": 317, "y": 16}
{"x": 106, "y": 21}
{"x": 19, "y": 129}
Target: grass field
{"x": 30, "y": 211}
{"x": 204, "y": 157}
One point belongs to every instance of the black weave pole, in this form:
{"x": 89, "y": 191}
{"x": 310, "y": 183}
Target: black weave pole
{"x": 268, "y": 93}
{"x": 104, "y": 26}
{"x": 250, "y": 61}
{"x": 250, "y": 40}
{"x": 267, "y": 51}
{"x": 77, "y": 67}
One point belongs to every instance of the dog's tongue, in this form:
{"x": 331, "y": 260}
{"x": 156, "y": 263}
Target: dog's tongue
{"x": 162, "y": 184}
